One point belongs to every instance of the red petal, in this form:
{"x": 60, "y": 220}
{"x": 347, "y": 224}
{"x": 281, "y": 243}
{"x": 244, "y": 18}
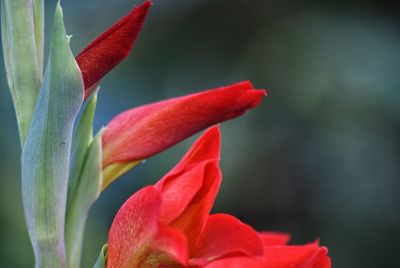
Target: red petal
{"x": 309, "y": 256}
{"x": 133, "y": 228}
{"x": 170, "y": 245}
{"x": 224, "y": 235}
{"x": 274, "y": 238}
{"x": 189, "y": 190}
{"x": 184, "y": 181}
{"x": 111, "y": 47}
{"x": 142, "y": 132}
{"x": 193, "y": 219}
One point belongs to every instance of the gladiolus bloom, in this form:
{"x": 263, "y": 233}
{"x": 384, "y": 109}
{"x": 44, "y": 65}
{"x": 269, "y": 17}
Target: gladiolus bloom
{"x": 111, "y": 47}
{"x": 144, "y": 131}
{"x": 168, "y": 225}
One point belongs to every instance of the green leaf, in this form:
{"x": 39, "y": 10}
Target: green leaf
{"x": 83, "y": 136}
{"x": 46, "y": 153}
{"x": 22, "y": 37}
{"x": 102, "y": 259}
{"x": 84, "y": 177}
{"x": 88, "y": 189}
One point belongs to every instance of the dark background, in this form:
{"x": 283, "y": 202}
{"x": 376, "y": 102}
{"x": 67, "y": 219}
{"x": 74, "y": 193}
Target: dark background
{"x": 318, "y": 158}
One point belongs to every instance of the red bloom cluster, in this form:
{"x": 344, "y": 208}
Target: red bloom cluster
{"x": 168, "y": 225}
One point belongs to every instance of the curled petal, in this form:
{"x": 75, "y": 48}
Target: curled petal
{"x": 189, "y": 190}
{"x": 147, "y": 130}
{"x": 185, "y": 180}
{"x": 193, "y": 219}
{"x": 111, "y": 47}
{"x": 224, "y": 235}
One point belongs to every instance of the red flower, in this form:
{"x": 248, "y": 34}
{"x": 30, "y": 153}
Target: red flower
{"x": 111, "y": 47}
{"x": 144, "y": 131}
{"x": 168, "y": 225}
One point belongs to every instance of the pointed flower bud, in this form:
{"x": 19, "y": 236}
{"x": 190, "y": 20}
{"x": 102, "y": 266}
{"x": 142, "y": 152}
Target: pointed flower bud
{"x": 111, "y": 47}
{"x": 147, "y": 130}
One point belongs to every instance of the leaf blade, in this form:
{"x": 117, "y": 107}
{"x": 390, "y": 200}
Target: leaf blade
{"x": 88, "y": 189}
{"x": 83, "y": 137}
{"x": 45, "y": 156}
{"x": 23, "y": 54}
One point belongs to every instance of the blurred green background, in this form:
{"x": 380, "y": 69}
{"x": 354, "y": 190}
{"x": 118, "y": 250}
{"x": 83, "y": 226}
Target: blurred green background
{"x": 318, "y": 158}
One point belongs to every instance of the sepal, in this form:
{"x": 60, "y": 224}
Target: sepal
{"x": 114, "y": 171}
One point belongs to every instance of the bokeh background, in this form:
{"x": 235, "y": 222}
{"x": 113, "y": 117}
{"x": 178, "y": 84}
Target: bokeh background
{"x": 319, "y": 158}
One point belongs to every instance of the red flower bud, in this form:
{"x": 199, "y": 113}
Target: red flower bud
{"x": 111, "y": 47}
{"x": 147, "y": 130}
